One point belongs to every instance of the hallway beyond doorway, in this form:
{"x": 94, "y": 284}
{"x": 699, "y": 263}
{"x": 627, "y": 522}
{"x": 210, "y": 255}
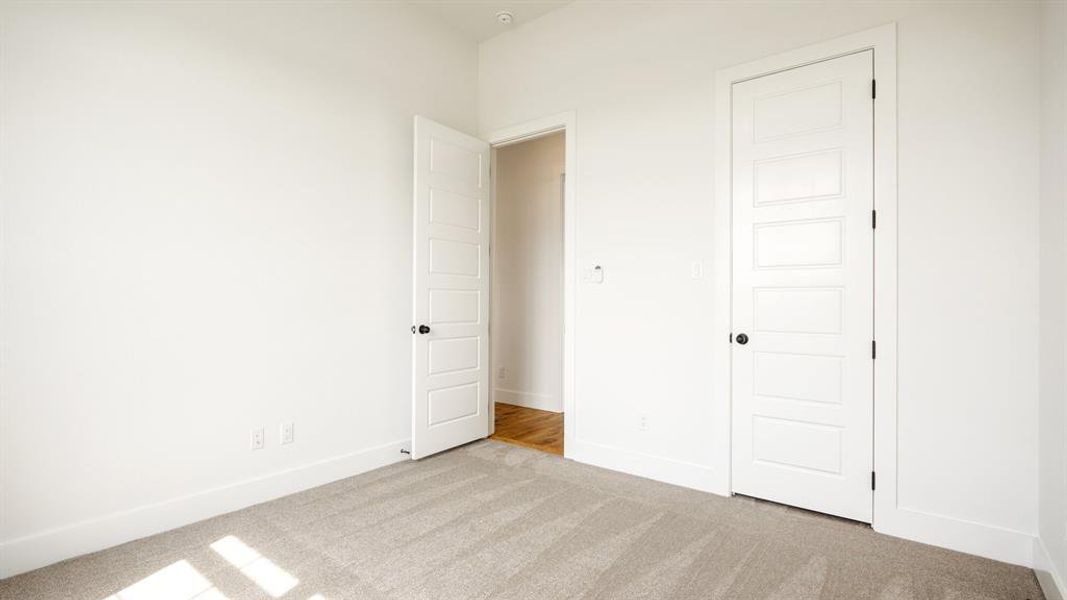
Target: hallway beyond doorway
{"x": 538, "y": 429}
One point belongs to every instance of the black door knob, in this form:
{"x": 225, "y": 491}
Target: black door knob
{"x": 742, "y": 339}
{"x": 423, "y": 329}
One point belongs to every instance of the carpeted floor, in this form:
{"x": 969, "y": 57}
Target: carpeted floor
{"x": 496, "y": 521}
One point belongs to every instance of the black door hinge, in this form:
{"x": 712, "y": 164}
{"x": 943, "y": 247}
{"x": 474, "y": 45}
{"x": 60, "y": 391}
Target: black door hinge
{"x": 874, "y": 349}
{"x": 872, "y": 480}
{"x": 874, "y": 89}
{"x": 874, "y": 219}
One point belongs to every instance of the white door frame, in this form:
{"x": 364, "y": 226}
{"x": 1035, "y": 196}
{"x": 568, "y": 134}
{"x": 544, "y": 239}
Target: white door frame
{"x": 883, "y": 41}
{"x": 519, "y": 133}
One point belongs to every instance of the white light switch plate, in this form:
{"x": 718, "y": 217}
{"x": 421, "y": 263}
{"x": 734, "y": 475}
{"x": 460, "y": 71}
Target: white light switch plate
{"x": 696, "y": 270}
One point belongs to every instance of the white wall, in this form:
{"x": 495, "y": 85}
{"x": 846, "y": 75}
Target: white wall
{"x": 206, "y": 228}
{"x": 1051, "y": 549}
{"x": 203, "y": 202}
{"x": 527, "y": 306}
{"x": 640, "y": 78}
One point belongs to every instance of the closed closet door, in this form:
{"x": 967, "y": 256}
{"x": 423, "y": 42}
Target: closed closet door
{"x": 802, "y": 320}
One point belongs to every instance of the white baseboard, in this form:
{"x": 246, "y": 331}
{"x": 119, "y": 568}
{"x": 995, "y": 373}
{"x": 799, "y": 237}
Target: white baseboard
{"x": 528, "y": 400}
{"x": 1052, "y": 581}
{"x": 667, "y": 470}
{"x": 980, "y": 539}
{"x": 44, "y": 548}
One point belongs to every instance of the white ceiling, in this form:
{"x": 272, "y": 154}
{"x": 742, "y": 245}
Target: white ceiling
{"x": 477, "y": 18}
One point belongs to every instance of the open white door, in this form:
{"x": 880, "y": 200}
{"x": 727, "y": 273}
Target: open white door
{"x": 803, "y": 287}
{"x": 450, "y": 334}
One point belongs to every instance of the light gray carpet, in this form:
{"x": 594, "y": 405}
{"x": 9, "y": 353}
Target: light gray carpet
{"x": 496, "y": 521}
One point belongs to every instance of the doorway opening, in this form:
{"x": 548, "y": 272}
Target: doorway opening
{"x": 527, "y": 292}
{"x": 453, "y": 231}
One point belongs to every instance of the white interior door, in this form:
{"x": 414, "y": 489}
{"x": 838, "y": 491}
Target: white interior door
{"x": 451, "y": 305}
{"x": 803, "y": 286}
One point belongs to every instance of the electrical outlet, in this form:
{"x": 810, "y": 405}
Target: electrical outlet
{"x": 642, "y": 423}
{"x": 286, "y": 432}
{"x": 501, "y": 373}
{"x": 256, "y": 438}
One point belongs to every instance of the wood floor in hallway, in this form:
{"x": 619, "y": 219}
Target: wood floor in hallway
{"x": 538, "y": 429}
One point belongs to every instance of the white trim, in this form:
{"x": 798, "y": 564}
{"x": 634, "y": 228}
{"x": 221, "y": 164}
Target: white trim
{"x": 46, "y": 547}
{"x": 531, "y": 129}
{"x": 658, "y": 468}
{"x": 491, "y": 413}
{"x": 981, "y": 539}
{"x": 528, "y": 399}
{"x": 1052, "y": 581}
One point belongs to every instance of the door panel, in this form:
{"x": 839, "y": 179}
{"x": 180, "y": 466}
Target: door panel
{"x": 451, "y": 260}
{"x": 803, "y": 286}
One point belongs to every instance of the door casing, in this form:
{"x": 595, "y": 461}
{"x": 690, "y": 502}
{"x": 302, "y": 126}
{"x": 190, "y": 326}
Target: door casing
{"x": 882, "y": 40}
{"x": 522, "y": 132}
